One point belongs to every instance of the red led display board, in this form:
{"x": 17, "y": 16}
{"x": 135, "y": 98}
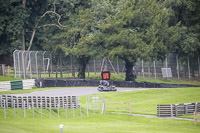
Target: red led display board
{"x": 105, "y": 75}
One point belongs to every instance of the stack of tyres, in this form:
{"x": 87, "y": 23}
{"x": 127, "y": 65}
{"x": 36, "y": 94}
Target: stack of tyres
{"x": 16, "y": 85}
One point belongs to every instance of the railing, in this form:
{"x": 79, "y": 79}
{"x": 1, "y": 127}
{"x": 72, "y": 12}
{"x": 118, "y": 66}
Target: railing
{"x": 117, "y": 108}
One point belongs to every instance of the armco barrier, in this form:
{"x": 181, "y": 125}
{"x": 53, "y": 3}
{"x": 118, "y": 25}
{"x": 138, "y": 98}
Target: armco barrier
{"x": 82, "y": 82}
{"x": 16, "y": 85}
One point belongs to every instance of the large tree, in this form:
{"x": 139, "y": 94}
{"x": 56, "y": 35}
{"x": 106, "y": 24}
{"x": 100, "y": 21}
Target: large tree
{"x": 138, "y": 29}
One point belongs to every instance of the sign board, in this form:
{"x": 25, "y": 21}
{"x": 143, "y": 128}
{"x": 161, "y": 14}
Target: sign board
{"x": 105, "y": 75}
{"x": 166, "y": 72}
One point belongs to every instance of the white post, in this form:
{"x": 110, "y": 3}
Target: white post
{"x": 4, "y": 108}
{"x": 80, "y": 111}
{"x": 43, "y": 63}
{"x": 58, "y": 112}
{"x": 93, "y": 108}
{"x": 23, "y": 65}
{"x": 36, "y": 64}
{"x": 24, "y": 109}
{"x": 188, "y": 66}
{"x": 154, "y": 65}
{"x": 66, "y": 110}
{"x": 166, "y": 65}
{"x": 177, "y": 66}
{"x": 14, "y": 62}
{"x": 73, "y": 111}
{"x": 50, "y": 109}
{"x": 14, "y": 109}
{"x": 142, "y": 69}
{"x": 33, "y": 109}
{"x": 41, "y": 109}
{"x": 19, "y": 65}
{"x": 30, "y": 64}
{"x": 61, "y": 128}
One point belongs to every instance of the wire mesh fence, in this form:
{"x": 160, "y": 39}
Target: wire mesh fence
{"x": 43, "y": 64}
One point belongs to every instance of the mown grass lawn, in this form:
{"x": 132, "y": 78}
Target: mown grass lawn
{"x": 143, "y": 102}
{"x": 109, "y": 123}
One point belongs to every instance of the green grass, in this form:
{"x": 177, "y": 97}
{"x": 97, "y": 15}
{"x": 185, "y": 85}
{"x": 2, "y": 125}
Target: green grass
{"x": 109, "y": 123}
{"x": 5, "y": 78}
{"x": 143, "y": 102}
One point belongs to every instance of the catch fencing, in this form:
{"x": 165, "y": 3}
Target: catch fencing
{"x": 43, "y": 64}
{"x": 177, "y": 109}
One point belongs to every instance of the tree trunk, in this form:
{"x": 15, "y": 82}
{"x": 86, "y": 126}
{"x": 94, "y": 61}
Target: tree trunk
{"x": 129, "y": 71}
{"x": 83, "y": 61}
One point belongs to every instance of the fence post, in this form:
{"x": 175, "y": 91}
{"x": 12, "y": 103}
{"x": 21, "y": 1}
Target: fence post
{"x": 58, "y": 111}
{"x": 100, "y": 107}
{"x": 80, "y": 110}
{"x": 154, "y": 65}
{"x": 158, "y": 107}
{"x": 171, "y": 106}
{"x": 93, "y": 108}
{"x": 24, "y": 109}
{"x": 176, "y": 109}
{"x": 188, "y": 60}
{"x": 14, "y": 109}
{"x": 142, "y": 69}
{"x": 50, "y": 109}
{"x": 177, "y": 66}
{"x": 66, "y": 110}
{"x": 61, "y": 128}
{"x": 186, "y": 108}
{"x": 41, "y": 109}
{"x": 195, "y": 109}
{"x": 130, "y": 108}
{"x": 1, "y": 101}
{"x": 5, "y": 108}
{"x": 73, "y": 111}
{"x": 33, "y": 109}
{"x": 104, "y": 106}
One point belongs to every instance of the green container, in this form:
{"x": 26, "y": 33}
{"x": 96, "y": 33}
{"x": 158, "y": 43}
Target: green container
{"x": 16, "y": 85}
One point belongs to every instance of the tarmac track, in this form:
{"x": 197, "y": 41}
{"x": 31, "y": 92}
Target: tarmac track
{"x": 76, "y": 91}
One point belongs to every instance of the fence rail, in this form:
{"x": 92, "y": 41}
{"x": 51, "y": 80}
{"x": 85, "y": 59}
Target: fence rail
{"x": 177, "y": 109}
{"x": 9, "y": 101}
{"x": 118, "y": 108}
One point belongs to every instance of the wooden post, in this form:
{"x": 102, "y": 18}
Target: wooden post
{"x": 195, "y": 119}
{"x": 130, "y": 108}
{"x": 186, "y": 108}
{"x": 195, "y": 109}
{"x": 171, "y": 110}
{"x": 176, "y": 109}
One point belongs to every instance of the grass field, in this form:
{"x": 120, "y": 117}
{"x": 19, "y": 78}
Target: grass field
{"x": 143, "y": 102}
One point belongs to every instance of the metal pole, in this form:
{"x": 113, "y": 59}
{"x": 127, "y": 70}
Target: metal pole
{"x": 94, "y": 67}
{"x": 142, "y": 69}
{"x": 93, "y": 108}
{"x": 30, "y": 64}
{"x": 166, "y": 62}
{"x": 117, "y": 65}
{"x": 19, "y": 65}
{"x": 36, "y": 64}
{"x": 177, "y": 66}
{"x": 188, "y": 66}
{"x": 154, "y": 65}
{"x": 43, "y": 63}
{"x": 23, "y": 64}
{"x": 14, "y": 62}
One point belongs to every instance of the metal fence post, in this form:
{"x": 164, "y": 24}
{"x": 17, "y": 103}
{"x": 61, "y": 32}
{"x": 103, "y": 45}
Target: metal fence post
{"x": 73, "y": 111}
{"x": 24, "y": 109}
{"x": 50, "y": 109}
{"x": 154, "y": 65}
{"x": 66, "y": 110}
{"x": 171, "y": 110}
{"x": 61, "y": 128}
{"x": 87, "y": 105}
{"x": 33, "y": 109}
{"x": 41, "y": 109}
{"x": 177, "y": 66}
{"x": 14, "y": 109}
{"x": 36, "y": 64}
{"x": 188, "y": 60}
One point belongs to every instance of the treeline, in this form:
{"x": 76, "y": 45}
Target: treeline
{"x": 127, "y": 29}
